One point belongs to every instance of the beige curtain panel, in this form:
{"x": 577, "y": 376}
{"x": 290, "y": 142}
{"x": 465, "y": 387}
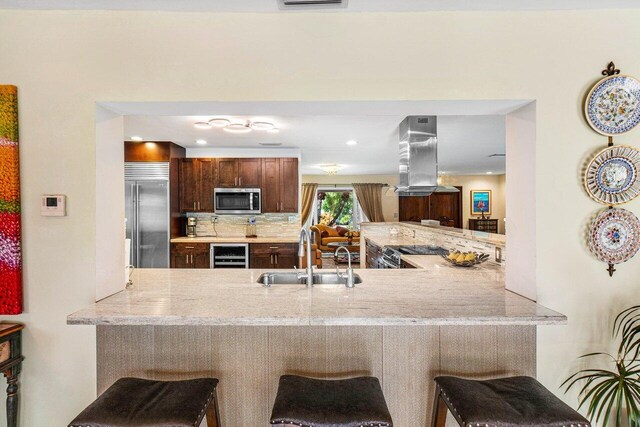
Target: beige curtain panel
{"x": 370, "y": 198}
{"x": 308, "y": 194}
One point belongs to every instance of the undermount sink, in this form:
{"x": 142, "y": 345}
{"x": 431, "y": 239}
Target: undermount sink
{"x": 268, "y": 279}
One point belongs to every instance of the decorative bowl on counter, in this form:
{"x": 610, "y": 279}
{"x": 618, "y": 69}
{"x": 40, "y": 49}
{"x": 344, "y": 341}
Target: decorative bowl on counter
{"x": 465, "y": 259}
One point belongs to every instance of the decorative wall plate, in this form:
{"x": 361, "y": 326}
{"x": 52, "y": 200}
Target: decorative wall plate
{"x": 614, "y": 236}
{"x": 613, "y": 175}
{"x": 613, "y": 105}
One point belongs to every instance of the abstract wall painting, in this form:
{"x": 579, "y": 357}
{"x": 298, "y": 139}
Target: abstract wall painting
{"x": 10, "y": 244}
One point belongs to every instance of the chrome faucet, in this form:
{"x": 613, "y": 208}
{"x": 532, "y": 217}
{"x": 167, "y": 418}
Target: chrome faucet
{"x": 349, "y": 269}
{"x": 304, "y": 234}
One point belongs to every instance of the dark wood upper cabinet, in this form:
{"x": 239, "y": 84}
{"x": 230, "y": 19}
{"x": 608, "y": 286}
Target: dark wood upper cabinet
{"x": 197, "y": 180}
{"x": 227, "y": 173}
{"x": 443, "y": 207}
{"x": 239, "y": 173}
{"x": 188, "y": 193}
{"x": 270, "y": 185}
{"x": 280, "y": 185}
{"x": 289, "y": 185}
{"x": 152, "y": 151}
{"x": 249, "y": 173}
{"x": 207, "y": 184}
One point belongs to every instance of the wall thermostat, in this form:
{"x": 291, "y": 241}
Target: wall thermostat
{"x": 53, "y": 205}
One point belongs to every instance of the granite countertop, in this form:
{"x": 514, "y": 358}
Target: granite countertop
{"x": 240, "y": 239}
{"x": 479, "y": 236}
{"x": 437, "y": 295}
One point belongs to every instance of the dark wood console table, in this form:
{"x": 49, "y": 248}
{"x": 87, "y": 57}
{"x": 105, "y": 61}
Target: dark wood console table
{"x": 10, "y": 364}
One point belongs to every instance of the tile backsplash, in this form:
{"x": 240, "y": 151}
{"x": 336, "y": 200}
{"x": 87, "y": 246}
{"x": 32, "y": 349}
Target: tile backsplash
{"x": 267, "y": 225}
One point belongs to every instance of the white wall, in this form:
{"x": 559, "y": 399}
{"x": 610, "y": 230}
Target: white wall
{"x": 63, "y": 62}
{"x": 520, "y": 142}
{"x": 109, "y": 163}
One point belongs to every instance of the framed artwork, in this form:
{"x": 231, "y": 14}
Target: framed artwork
{"x": 10, "y": 247}
{"x": 481, "y": 202}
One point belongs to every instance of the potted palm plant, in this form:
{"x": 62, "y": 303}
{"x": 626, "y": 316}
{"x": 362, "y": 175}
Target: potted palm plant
{"x": 608, "y": 392}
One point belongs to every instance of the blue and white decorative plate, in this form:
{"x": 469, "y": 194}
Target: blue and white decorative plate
{"x": 614, "y": 236}
{"x": 613, "y": 105}
{"x": 613, "y": 175}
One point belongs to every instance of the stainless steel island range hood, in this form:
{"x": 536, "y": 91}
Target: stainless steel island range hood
{"x": 419, "y": 157}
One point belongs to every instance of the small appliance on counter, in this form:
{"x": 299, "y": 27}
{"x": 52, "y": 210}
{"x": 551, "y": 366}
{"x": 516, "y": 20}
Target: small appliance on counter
{"x": 192, "y": 221}
{"x": 251, "y": 227}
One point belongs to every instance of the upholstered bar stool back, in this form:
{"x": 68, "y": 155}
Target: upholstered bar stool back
{"x": 135, "y": 402}
{"x": 503, "y": 402}
{"x": 309, "y": 402}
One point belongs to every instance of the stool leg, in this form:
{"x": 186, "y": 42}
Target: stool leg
{"x": 213, "y": 413}
{"x": 439, "y": 418}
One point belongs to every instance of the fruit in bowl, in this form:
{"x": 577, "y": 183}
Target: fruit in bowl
{"x": 465, "y": 259}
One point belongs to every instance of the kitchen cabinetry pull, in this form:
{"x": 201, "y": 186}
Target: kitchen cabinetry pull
{"x": 187, "y": 258}
{"x": 276, "y": 255}
{"x": 194, "y": 206}
{"x": 274, "y": 247}
{"x": 240, "y": 181}
{"x": 198, "y": 205}
{"x": 189, "y": 247}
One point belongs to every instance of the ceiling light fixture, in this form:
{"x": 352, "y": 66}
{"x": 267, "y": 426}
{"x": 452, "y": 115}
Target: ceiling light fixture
{"x": 219, "y": 123}
{"x": 270, "y": 144}
{"x": 262, "y": 126}
{"x": 352, "y": 142}
{"x": 331, "y": 168}
{"x": 136, "y": 138}
{"x": 201, "y": 141}
{"x": 202, "y": 125}
{"x": 489, "y": 173}
{"x": 238, "y": 128}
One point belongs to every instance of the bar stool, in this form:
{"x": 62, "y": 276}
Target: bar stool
{"x": 136, "y": 402}
{"x": 512, "y": 401}
{"x": 309, "y": 402}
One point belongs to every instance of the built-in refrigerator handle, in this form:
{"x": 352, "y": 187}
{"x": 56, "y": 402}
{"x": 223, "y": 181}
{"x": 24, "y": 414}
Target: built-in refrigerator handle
{"x": 137, "y": 221}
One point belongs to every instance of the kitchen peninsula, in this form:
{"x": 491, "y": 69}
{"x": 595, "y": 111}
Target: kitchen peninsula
{"x": 403, "y": 326}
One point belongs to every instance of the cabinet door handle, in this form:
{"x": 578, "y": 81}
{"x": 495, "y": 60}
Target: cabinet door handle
{"x": 240, "y": 180}
{"x": 191, "y": 258}
{"x": 271, "y": 259}
{"x": 187, "y": 258}
{"x": 276, "y": 255}
{"x": 273, "y": 247}
{"x": 194, "y": 206}
{"x": 189, "y": 247}
{"x": 198, "y": 205}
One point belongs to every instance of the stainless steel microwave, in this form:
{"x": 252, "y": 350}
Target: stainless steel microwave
{"x": 237, "y": 201}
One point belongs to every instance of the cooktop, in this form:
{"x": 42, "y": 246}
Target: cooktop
{"x": 418, "y": 249}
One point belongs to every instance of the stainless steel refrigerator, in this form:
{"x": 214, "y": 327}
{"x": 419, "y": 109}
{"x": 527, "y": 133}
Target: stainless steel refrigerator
{"x": 147, "y": 213}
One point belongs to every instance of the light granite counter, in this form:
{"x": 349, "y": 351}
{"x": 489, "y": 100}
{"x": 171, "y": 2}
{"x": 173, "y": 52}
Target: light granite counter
{"x": 240, "y": 239}
{"x": 438, "y": 295}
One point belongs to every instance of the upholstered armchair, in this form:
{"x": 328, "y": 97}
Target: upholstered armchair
{"x": 323, "y": 235}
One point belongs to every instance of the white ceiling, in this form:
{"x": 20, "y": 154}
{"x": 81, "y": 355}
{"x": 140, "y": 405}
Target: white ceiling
{"x": 465, "y": 142}
{"x": 353, "y": 6}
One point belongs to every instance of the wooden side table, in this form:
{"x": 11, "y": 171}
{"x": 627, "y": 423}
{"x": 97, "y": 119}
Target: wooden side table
{"x": 10, "y": 364}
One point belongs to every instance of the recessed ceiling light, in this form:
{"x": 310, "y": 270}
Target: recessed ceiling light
{"x": 219, "y": 123}
{"x": 201, "y": 142}
{"x": 352, "y": 142}
{"x": 202, "y": 125}
{"x": 237, "y": 128}
{"x": 489, "y": 173}
{"x": 273, "y": 130}
{"x": 271, "y": 144}
{"x": 262, "y": 126}
{"x": 136, "y": 138}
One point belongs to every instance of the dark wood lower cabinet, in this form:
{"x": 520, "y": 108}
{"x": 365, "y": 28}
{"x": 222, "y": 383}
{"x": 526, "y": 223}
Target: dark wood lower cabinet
{"x": 277, "y": 255}
{"x": 190, "y": 255}
{"x": 374, "y": 255}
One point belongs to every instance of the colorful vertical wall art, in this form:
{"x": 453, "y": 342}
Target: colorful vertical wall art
{"x": 10, "y": 250}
